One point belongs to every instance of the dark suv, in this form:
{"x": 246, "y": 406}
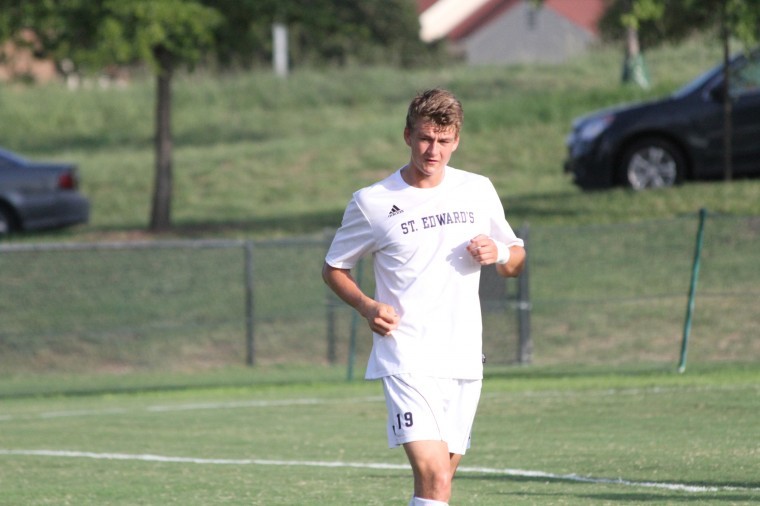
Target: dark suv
{"x": 661, "y": 143}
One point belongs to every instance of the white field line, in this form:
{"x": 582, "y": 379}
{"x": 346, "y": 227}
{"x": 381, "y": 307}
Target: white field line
{"x": 680, "y": 487}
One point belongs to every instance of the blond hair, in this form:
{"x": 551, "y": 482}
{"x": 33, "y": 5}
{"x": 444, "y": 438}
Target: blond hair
{"x": 436, "y": 106}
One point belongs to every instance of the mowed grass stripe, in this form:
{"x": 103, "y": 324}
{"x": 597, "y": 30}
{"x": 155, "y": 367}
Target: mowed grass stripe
{"x": 258, "y": 403}
{"x": 168, "y": 408}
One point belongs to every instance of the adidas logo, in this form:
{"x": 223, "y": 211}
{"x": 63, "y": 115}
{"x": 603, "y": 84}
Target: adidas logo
{"x": 395, "y": 210}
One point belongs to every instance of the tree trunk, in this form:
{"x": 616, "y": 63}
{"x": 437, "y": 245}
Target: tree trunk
{"x": 632, "y": 47}
{"x": 634, "y": 68}
{"x": 160, "y": 218}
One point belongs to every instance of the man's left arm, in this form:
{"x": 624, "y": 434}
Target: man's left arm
{"x": 514, "y": 264}
{"x": 509, "y": 260}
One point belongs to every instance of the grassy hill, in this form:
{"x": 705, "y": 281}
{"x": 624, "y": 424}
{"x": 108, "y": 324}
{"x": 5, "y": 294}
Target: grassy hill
{"x": 256, "y": 155}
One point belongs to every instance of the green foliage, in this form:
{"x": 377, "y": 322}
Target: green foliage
{"x": 132, "y": 31}
{"x": 642, "y": 10}
{"x": 97, "y": 33}
{"x": 64, "y": 29}
{"x": 662, "y": 21}
{"x": 322, "y": 32}
{"x": 373, "y": 31}
{"x": 744, "y": 19}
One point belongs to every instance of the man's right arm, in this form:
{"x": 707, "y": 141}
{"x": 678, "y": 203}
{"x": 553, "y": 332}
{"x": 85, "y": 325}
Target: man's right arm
{"x": 382, "y": 318}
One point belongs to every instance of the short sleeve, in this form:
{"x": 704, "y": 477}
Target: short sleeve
{"x": 354, "y": 238}
{"x": 500, "y": 228}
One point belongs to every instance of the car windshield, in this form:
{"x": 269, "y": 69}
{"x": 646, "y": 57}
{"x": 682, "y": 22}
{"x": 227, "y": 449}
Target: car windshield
{"x": 745, "y": 73}
{"x": 697, "y": 83}
{"x": 746, "y": 77}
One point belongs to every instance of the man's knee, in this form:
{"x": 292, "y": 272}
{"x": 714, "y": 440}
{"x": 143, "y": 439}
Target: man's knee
{"x": 432, "y": 469}
{"x": 434, "y": 482}
{"x": 439, "y": 479}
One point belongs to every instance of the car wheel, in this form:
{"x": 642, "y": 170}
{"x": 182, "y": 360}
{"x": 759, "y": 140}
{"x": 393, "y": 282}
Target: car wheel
{"x": 652, "y": 163}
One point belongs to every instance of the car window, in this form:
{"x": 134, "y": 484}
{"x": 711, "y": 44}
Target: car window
{"x": 8, "y": 159}
{"x": 696, "y": 83}
{"x": 746, "y": 79}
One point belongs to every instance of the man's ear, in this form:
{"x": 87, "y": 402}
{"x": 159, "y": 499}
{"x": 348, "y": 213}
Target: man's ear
{"x": 407, "y": 136}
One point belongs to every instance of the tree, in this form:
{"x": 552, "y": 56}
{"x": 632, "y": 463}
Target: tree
{"x": 164, "y": 34}
{"x": 634, "y": 68}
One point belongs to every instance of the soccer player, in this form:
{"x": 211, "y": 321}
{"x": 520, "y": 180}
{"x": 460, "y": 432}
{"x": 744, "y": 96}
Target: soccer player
{"x": 430, "y": 228}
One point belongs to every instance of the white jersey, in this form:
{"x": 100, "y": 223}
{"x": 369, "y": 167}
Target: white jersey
{"x": 418, "y": 237}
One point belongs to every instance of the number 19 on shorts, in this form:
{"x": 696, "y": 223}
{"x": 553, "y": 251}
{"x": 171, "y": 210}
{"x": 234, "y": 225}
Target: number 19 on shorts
{"x": 403, "y": 420}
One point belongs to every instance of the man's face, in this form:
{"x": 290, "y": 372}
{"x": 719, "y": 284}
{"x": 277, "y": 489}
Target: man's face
{"x": 431, "y": 147}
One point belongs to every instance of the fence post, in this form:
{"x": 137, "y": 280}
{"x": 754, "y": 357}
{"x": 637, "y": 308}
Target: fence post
{"x": 692, "y": 289}
{"x": 250, "y": 357}
{"x": 354, "y": 325}
{"x": 525, "y": 345}
{"x": 331, "y": 337}
{"x": 331, "y": 300}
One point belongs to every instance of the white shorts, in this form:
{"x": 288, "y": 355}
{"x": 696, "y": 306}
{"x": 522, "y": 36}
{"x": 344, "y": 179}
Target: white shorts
{"x": 422, "y": 408}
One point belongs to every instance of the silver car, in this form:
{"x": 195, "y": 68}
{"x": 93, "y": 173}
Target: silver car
{"x": 39, "y": 195}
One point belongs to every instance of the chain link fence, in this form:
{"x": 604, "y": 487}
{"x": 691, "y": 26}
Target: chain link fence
{"x": 606, "y": 294}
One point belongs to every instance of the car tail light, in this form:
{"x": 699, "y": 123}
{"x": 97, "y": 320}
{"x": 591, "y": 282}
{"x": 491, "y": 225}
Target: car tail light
{"x": 67, "y": 181}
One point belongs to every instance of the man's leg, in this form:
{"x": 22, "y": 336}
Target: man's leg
{"x": 454, "y": 459}
{"x": 433, "y": 428}
{"x": 433, "y": 467}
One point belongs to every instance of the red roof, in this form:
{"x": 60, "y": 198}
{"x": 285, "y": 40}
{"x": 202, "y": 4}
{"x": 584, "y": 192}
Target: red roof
{"x": 422, "y": 5}
{"x": 583, "y": 13}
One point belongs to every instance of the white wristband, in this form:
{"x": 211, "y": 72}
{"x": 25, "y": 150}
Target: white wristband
{"x": 503, "y": 253}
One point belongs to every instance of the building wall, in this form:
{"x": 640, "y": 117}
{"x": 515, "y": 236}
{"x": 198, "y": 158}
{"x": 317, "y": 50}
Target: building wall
{"x": 524, "y": 34}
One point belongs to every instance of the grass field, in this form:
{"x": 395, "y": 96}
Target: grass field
{"x": 543, "y": 436}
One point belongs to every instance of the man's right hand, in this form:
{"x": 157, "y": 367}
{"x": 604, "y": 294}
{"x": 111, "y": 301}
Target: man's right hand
{"x": 382, "y": 318}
